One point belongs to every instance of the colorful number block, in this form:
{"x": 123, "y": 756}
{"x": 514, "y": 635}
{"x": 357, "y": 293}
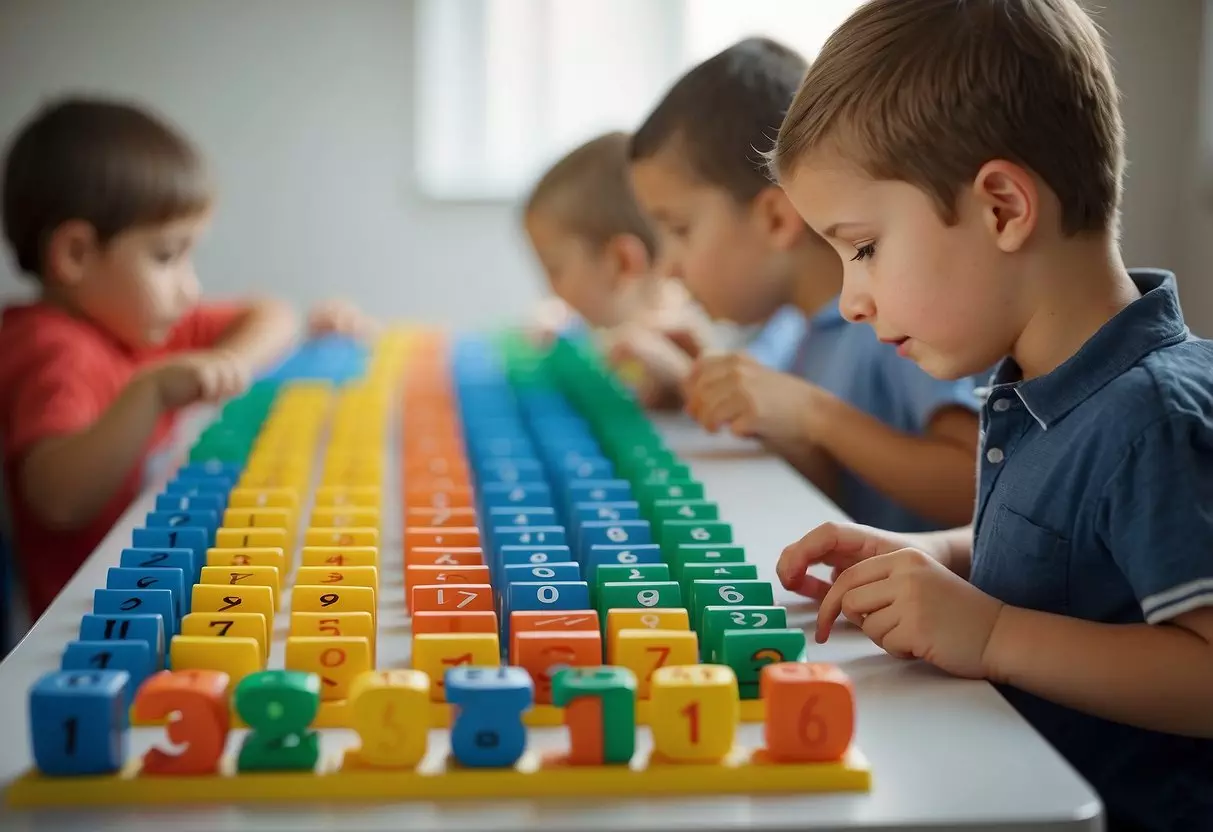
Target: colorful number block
{"x": 199, "y": 697}
{"x": 230, "y": 624}
{"x": 695, "y": 710}
{"x": 486, "y": 727}
{"x": 110, "y": 602}
{"x": 348, "y": 495}
{"x": 452, "y": 598}
{"x": 145, "y": 627}
{"x": 339, "y": 556}
{"x": 328, "y": 599}
{"x": 727, "y": 592}
{"x": 250, "y": 538}
{"x": 391, "y": 716}
{"x": 435, "y": 653}
{"x": 749, "y": 651}
{"x": 186, "y": 560}
{"x": 119, "y": 577}
{"x": 476, "y": 621}
{"x": 658, "y": 618}
{"x": 534, "y": 555}
{"x": 538, "y": 573}
{"x": 646, "y": 651}
{"x": 338, "y": 576}
{"x": 687, "y": 553}
{"x": 542, "y": 652}
{"x": 278, "y": 706}
{"x": 641, "y": 594}
{"x": 809, "y": 712}
{"x": 237, "y": 657}
{"x": 445, "y": 556}
{"x": 717, "y": 620}
{"x": 348, "y": 536}
{"x": 242, "y": 576}
{"x": 228, "y": 598}
{"x": 600, "y": 712}
{"x": 337, "y": 660}
{"x": 692, "y": 572}
{"x": 78, "y": 721}
{"x": 133, "y": 656}
{"x": 432, "y": 575}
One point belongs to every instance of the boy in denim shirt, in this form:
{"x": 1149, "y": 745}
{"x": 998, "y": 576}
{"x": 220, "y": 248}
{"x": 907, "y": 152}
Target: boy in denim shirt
{"x": 964, "y": 157}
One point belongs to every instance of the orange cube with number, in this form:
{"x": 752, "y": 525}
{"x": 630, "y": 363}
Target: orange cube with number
{"x": 644, "y": 651}
{"x": 810, "y": 712}
{"x": 560, "y": 621}
{"x": 200, "y": 697}
{"x": 429, "y": 575}
{"x": 538, "y": 652}
{"x": 424, "y": 497}
{"x": 337, "y": 660}
{"x": 435, "y": 653}
{"x": 461, "y": 537}
{"x": 430, "y": 621}
{"x": 444, "y": 556}
{"x": 452, "y": 598}
{"x": 440, "y": 517}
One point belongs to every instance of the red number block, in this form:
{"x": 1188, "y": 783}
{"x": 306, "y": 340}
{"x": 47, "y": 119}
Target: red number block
{"x": 444, "y": 556}
{"x": 428, "y": 575}
{"x": 440, "y": 536}
{"x": 453, "y": 598}
{"x": 431, "y": 621}
{"x": 425, "y": 497}
{"x": 200, "y": 697}
{"x": 541, "y": 653}
{"x": 810, "y": 712}
{"x": 526, "y": 621}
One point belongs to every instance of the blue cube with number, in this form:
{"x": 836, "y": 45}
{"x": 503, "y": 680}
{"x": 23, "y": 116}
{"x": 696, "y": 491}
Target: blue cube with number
{"x": 534, "y": 555}
{"x": 145, "y": 627}
{"x": 211, "y": 468}
{"x": 614, "y": 554}
{"x": 488, "y": 702}
{"x": 611, "y": 512}
{"x": 598, "y": 491}
{"x": 216, "y": 487}
{"x": 519, "y": 517}
{"x": 510, "y": 470}
{"x": 587, "y": 468}
{"x": 516, "y": 494}
{"x": 616, "y": 533}
{"x": 126, "y": 577}
{"x": 529, "y": 536}
{"x": 190, "y": 502}
{"x": 134, "y": 656}
{"x": 567, "y": 571}
{"x": 78, "y": 721}
{"x": 540, "y": 595}
{"x": 194, "y": 539}
{"x": 184, "y": 559}
{"x": 198, "y": 519}
{"x": 118, "y": 601}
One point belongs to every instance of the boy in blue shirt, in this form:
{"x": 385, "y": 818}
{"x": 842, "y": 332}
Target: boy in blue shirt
{"x": 891, "y": 445}
{"x": 964, "y": 158}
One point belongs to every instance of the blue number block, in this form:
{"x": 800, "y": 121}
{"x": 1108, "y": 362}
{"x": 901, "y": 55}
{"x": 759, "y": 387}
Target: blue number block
{"x": 143, "y": 627}
{"x": 535, "y": 555}
{"x": 614, "y": 554}
{"x": 119, "y": 601}
{"x": 194, "y": 539}
{"x": 125, "y": 577}
{"x": 216, "y": 486}
{"x": 482, "y": 446}
{"x": 539, "y": 595}
{"x": 208, "y": 520}
{"x": 190, "y": 502}
{"x": 78, "y": 721}
{"x": 510, "y": 469}
{"x": 587, "y": 468}
{"x": 526, "y": 494}
{"x": 609, "y": 512}
{"x": 599, "y": 491}
{"x": 610, "y": 533}
{"x": 529, "y": 536}
{"x": 507, "y": 516}
{"x": 184, "y": 559}
{"x": 567, "y": 571}
{"x": 133, "y": 656}
{"x": 211, "y": 468}
{"x": 488, "y": 702}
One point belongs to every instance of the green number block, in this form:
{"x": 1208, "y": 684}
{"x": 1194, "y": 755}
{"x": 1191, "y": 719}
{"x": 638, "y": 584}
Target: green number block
{"x": 715, "y": 572}
{"x": 615, "y": 690}
{"x": 630, "y": 595}
{"x": 638, "y": 459}
{"x": 749, "y": 651}
{"x": 727, "y": 593}
{"x": 685, "y": 510}
{"x": 718, "y": 620}
{"x": 688, "y": 553}
{"x": 625, "y": 573}
{"x": 668, "y": 474}
{"x": 278, "y": 706}
{"x": 648, "y": 493}
{"x": 676, "y": 532}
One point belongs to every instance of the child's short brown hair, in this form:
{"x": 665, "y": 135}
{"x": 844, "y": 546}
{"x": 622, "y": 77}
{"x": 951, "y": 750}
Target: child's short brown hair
{"x": 108, "y": 163}
{"x": 588, "y": 193}
{"x": 927, "y": 91}
{"x": 725, "y": 113}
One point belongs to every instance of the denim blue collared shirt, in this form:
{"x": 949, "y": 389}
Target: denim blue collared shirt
{"x": 1096, "y": 502}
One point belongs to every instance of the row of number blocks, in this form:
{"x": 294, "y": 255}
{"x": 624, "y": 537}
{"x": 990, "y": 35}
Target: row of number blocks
{"x": 809, "y": 717}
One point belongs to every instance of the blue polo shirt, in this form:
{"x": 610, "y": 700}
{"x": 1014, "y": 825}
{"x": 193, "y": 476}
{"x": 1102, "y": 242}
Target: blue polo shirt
{"x": 849, "y": 361}
{"x": 775, "y": 345}
{"x": 1096, "y": 502}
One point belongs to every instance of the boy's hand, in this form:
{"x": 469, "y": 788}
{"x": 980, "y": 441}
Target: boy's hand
{"x": 210, "y": 377}
{"x": 911, "y": 605}
{"x": 340, "y": 317}
{"x": 748, "y": 398}
{"x": 839, "y": 545}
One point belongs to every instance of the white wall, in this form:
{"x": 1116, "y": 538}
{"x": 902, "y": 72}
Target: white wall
{"x": 304, "y": 108}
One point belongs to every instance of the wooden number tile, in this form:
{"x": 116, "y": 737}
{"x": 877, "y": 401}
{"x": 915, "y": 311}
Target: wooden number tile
{"x": 333, "y": 599}
{"x": 339, "y": 556}
{"x": 344, "y": 516}
{"x": 246, "y": 538}
{"x": 600, "y": 712}
{"x": 440, "y": 516}
{"x": 487, "y": 729}
{"x": 227, "y": 598}
{"x": 335, "y": 625}
{"x": 338, "y": 576}
{"x": 367, "y": 496}
{"x": 444, "y": 556}
{"x": 78, "y": 721}
{"x": 694, "y": 712}
{"x": 460, "y": 537}
{"x": 263, "y": 498}
{"x": 430, "y": 575}
{"x": 810, "y": 712}
{"x": 645, "y": 651}
{"x": 451, "y": 598}
{"x": 435, "y": 653}
{"x": 659, "y": 618}
{"x": 347, "y": 536}
{"x": 256, "y": 518}
{"x": 278, "y": 706}
{"x": 336, "y": 659}
{"x": 263, "y": 556}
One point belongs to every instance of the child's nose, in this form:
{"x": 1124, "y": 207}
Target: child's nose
{"x": 856, "y": 303}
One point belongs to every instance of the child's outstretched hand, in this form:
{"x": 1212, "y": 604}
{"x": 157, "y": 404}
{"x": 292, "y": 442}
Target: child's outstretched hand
{"x": 838, "y": 545}
{"x": 340, "y": 317}
{"x": 208, "y": 377}
{"x": 735, "y": 392}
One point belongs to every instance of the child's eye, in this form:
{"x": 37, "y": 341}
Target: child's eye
{"x": 865, "y": 251}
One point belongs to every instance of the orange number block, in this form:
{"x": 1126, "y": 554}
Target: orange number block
{"x": 435, "y": 653}
{"x": 422, "y": 467}
{"x": 444, "y": 556}
{"x": 440, "y": 517}
{"x": 525, "y": 621}
{"x": 542, "y": 652}
{"x": 337, "y": 660}
{"x": 456, "y": 598}
{"x": 461, "y": 537}
{"x": 424, "y": 497}
{"x": 810, "y": 712}
{"x": 429, "y": 575}
{"x": 644, "y": 651}
{"x": 200, "y": 697}
{"x": 430, "y": 621}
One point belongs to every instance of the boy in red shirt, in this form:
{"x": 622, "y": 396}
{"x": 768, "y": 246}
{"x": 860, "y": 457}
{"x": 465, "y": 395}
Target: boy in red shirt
{"x": 103, "y": 205}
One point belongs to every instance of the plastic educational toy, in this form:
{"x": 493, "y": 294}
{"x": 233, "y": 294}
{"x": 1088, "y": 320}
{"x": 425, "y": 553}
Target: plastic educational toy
{"x": 558, "y": 568}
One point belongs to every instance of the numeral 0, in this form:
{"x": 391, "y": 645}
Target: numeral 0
{"x": 547, "y": 594}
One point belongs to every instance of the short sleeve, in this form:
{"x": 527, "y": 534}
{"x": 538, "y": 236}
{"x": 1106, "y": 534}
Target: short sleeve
{"x": 202, "y": 327}
{"x": 1157, "y": 517}
{"x": 57, "y": 394}
{"x": 923, "y": 395}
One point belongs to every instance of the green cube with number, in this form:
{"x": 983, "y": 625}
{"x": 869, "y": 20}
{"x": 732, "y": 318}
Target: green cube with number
{"x": 685, "y": 510}
{"x": 637, "y": 595}
{"x": 647, "y": 493}
{"x": 727, "y": 593}
{"x": 718, "y": 620}
{"x": 715, "y": 572}
{"x": 671, "y": 473}
{"x": 676, "y": 532}
{"x": 641, "y": 460}
{"x": 749, "y": 651}
{"x": 687, "y": 553}
{"x": 625, "y": 573}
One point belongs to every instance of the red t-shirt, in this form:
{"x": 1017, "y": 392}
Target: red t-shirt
{"x": 58, "y": 374}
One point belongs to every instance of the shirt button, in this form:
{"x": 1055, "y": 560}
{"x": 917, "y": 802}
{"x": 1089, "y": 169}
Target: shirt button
{"x": 995, "y": 455}
{"x": 1002, "y": 405}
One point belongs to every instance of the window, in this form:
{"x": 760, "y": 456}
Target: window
{"x": 504, "y": 87}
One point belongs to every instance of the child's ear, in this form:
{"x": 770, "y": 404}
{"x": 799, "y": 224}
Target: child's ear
{"x": 68, "y": 251}
{"x": 778, "y": 218}
{"x": 629, "y": 255}
{"x": 1009, "y": 202}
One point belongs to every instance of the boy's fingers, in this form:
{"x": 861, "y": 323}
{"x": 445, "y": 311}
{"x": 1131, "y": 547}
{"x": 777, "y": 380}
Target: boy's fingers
{"x": 861, "y": 574}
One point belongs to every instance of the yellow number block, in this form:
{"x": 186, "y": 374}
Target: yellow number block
{"x": 263, "y": 498}
{"x": 657, "y": 618}
{"x": 225, "y": 598}
{"x": 331, "y": 599}
{"x": 229, "y": 625}
{"x": 645, "y": 651}
{"x": 249, "y": 557}
{"x": 694, "y": 712}
{"x": 435, "y": 653}
{"x": 295, "y": 481}
{"x": 349, "y": 536}
{"x": 338, "y": 576}
{"x": 334, "y": 624}
{"x": 350, "y": 472}
{"x": 237, "y": 657}
{"x": 244, "y": 576}
{"x": 261, "y": 462}
{"x": 391, "y": 710}
{"x": 251, "y": 538}
{"x": 367, "y": 496}
{"x": 335, "y": 659}
{"x": 344, "y": 517}
{"x": 339, "y": 556}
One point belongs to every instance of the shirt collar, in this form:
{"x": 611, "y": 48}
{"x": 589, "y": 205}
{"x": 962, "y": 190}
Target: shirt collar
{"x": 1153, "y": 321}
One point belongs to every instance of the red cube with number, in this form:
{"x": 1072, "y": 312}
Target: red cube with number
{"x": 539, "y": 652}
{"x": 430, "y": 621}
{"x": 810, "y": 712}
{"x": 431, "y": 575}
{"x": 452, "y": 598}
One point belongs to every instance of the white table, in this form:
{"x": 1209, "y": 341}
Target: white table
{"x": 945, "y": 753}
